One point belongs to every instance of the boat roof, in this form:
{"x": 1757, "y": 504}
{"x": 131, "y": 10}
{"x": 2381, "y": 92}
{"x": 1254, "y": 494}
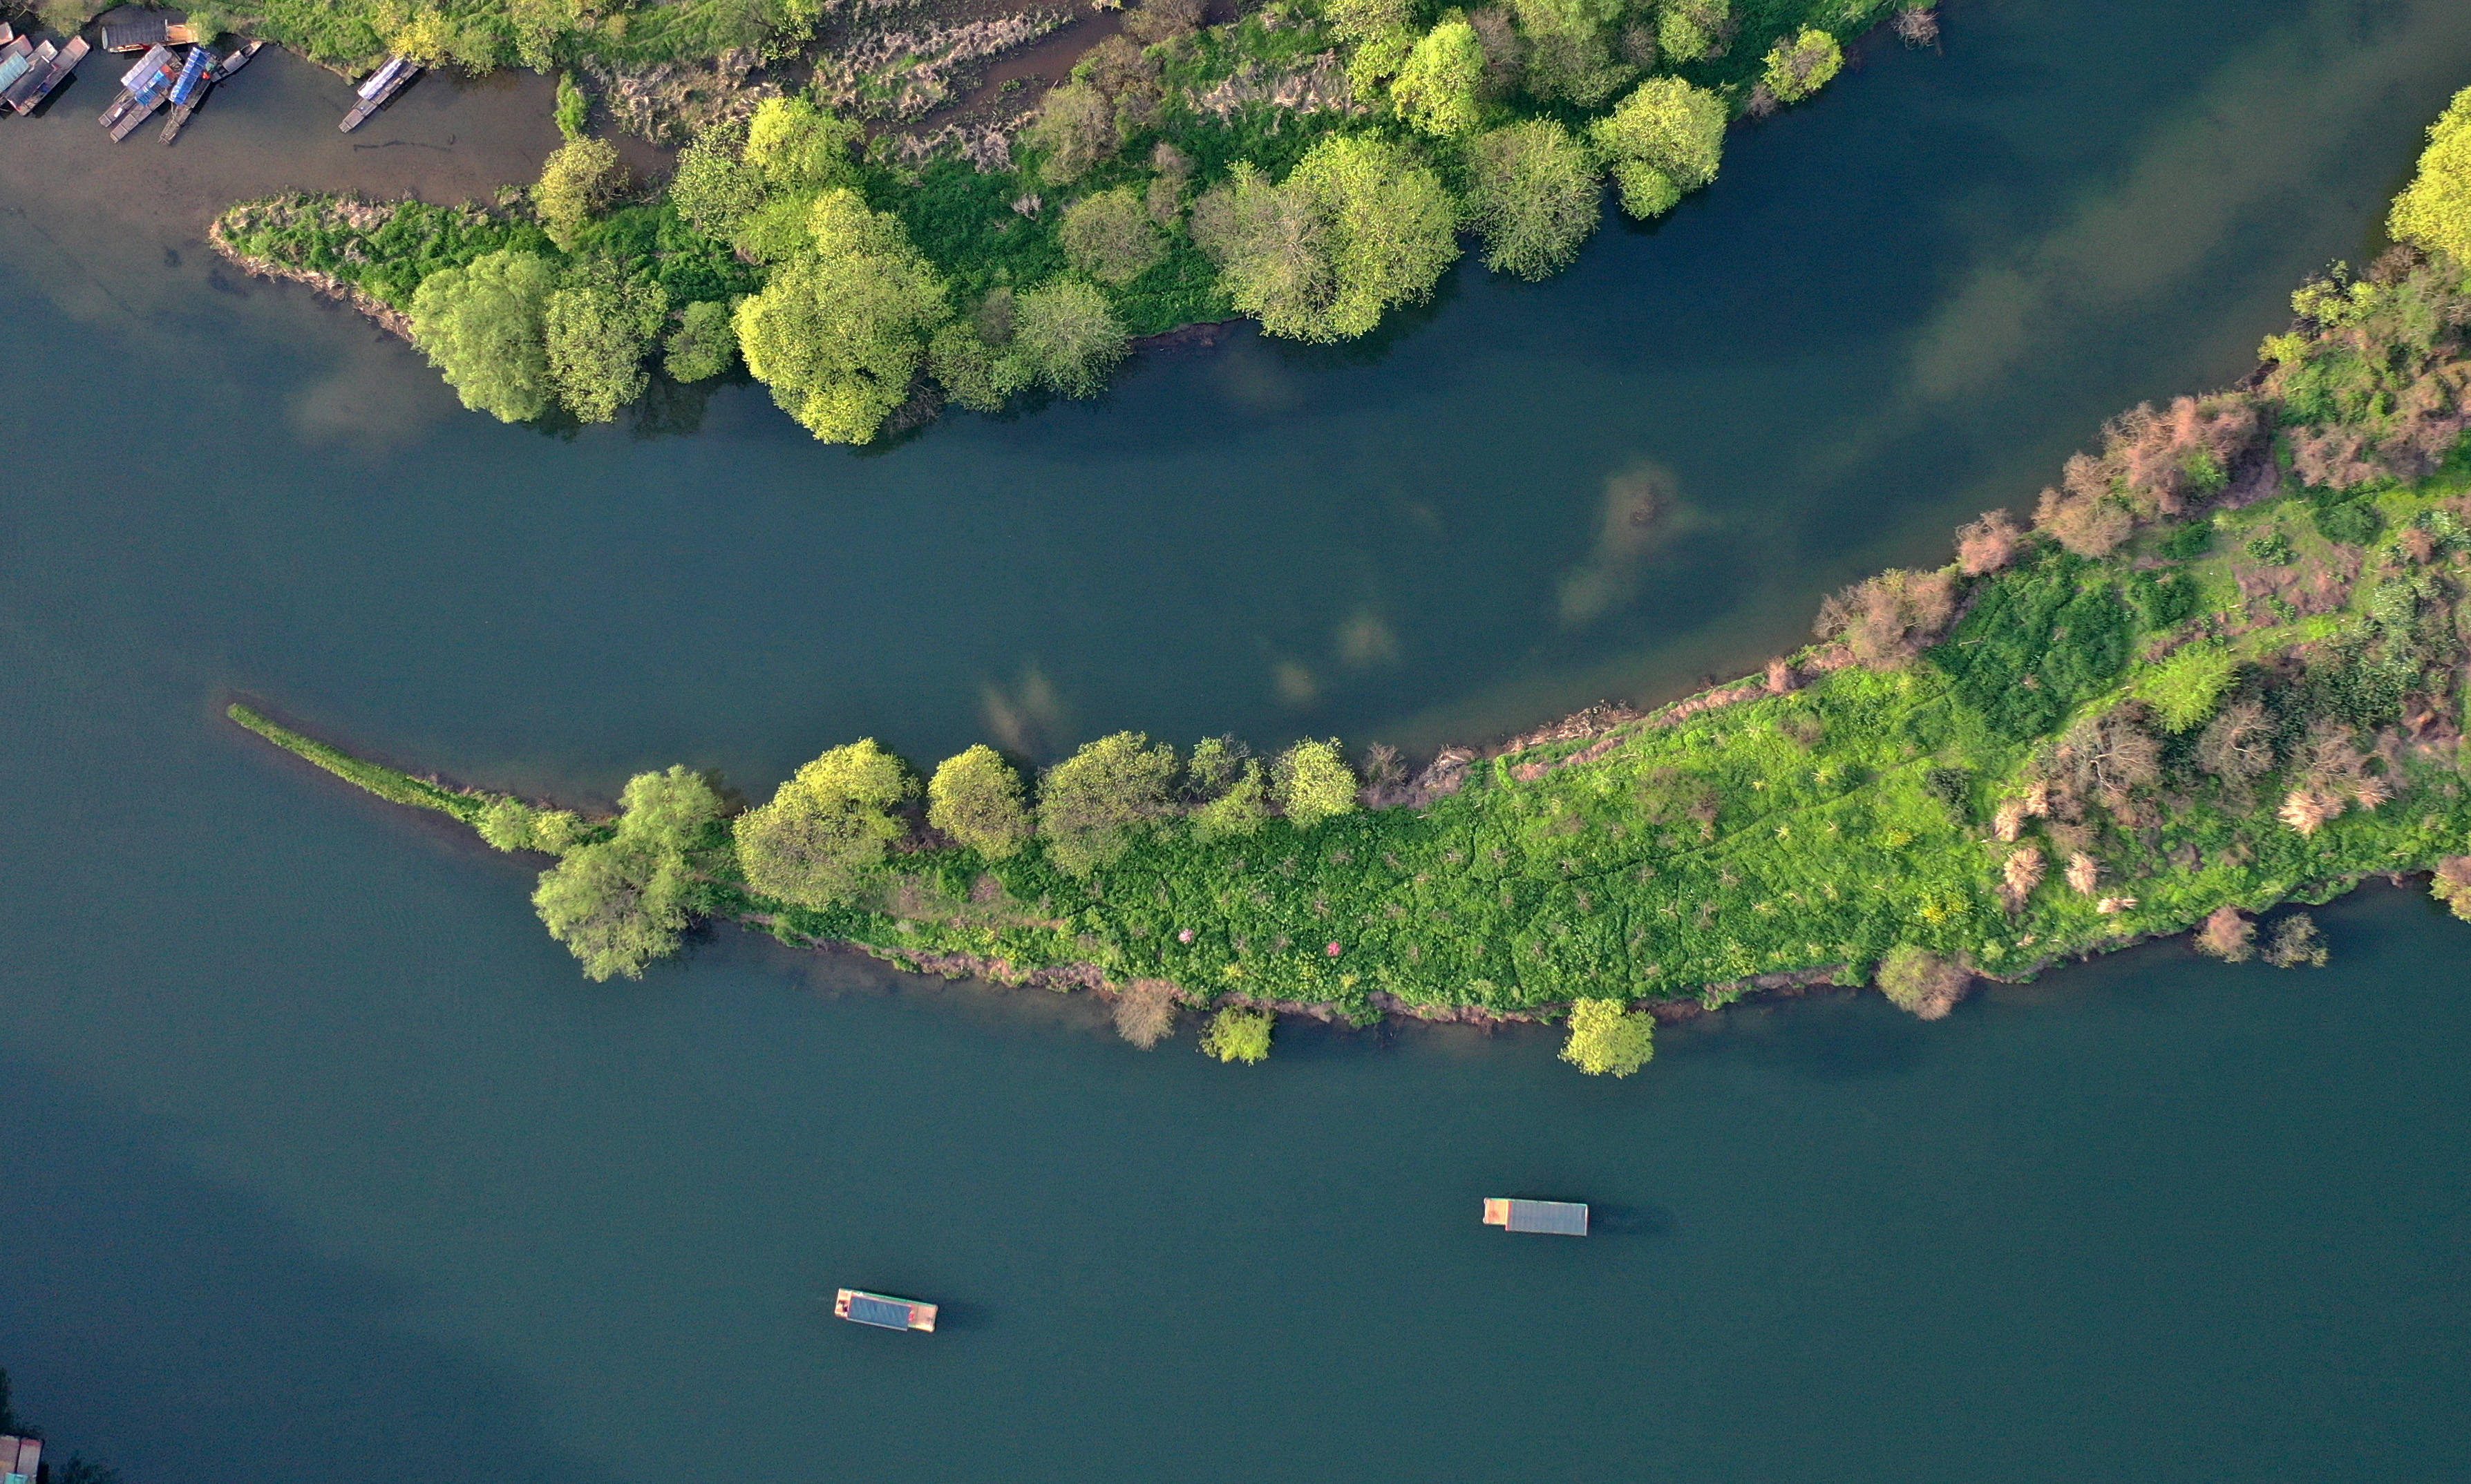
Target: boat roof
{"x": 1562, "y": 1218}
{"x": 868, "y": 1309}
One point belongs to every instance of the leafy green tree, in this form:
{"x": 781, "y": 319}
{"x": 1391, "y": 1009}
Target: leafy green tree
{"x": 598, "y": 326}
{"x": 1068, "y": 337}
{"x": 574, "y": 108}
{"x": 483, "y": 327}
{"x": 1111, "y": 236}
{"x": 1688, "y": 31}
{"x": 795, "y": 148}
{"x": 842, "y": 328}
{"x": 1358, "y": 227}
{"x": 1075, "y": 128}
{"x": 621, "y": 903}
{"x": 1232, "y": 790}
{"x": 2434, "y": 211}
{"x": 1663, "y": 142}
{"x": 975, "y": 797}
{"x": 826, "y": 828}
{"x": 977, "y": 375}
{"x": 1091, "y": 804}
{"x": 1570, "y": 53}
{"x": 703, "y": 345}
{"x": 507, "y": 824}
{"x": 1440, "y": 87}
{"x": 1238, "y": 1035}
{"x": 1920, "y": 983}
{"x": 715, "y": 189}
{"x": 578, "y": 180}
{"x": 1535, "y": 197}
{"x": 1314, "y": 783}
{"x": 1608, "y": 1039}
{"x": 1800, "y": 67}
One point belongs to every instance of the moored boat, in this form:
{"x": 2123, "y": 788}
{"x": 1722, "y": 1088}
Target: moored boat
{"x": 381, "y": 84}
{"x": 1554, "y": 1219}
{"x": 883, "y": 1311}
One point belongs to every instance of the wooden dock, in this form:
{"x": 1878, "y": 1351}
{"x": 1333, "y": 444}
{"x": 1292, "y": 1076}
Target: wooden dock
{"x": 383, "y": 85}
{"x": 1554, "y": 1219}
{"x": 883, "y": 1311}
{"x": 38, "y": 84}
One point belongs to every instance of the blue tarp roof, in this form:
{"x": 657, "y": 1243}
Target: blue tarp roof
{"x": 867, "y": 1309}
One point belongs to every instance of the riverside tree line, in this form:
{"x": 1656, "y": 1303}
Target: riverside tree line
{"x": 860, "y": 282}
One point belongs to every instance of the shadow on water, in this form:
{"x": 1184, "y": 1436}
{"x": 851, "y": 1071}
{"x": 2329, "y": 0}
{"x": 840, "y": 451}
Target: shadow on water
{"x": 150, "y": 1309}
{"x": 1825, "y": 1041}
{"x": 1650, "y": 1220}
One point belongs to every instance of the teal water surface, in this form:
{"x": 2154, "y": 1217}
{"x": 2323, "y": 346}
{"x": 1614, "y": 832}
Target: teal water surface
{"x": 328, "y": 1165}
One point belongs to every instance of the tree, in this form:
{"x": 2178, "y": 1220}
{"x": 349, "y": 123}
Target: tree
{"x": 1357, "y": 226}
{"x": 1534, "y": 196}
{"x": 1663, "y": 141}
{"x": 1091, "y": 804}
{"x": 1065, "y": 334}
{"x": 2434, "y": 211}
{"x": 703, "y": 345}
{"x": 826, "y": 828}
{"x": 1988, "y": 544}
{"x": 2450, "y": 885}
{"x": 1568, "y": 55}
{"x": 795, "y": 148}
{"x": 2296, "y": 943}
{"x": 1800, "y": 67}
{"x": 2227, "y": 935}
{"x": 621, "y": 903}
{"x": 1111, "y": 237}
{"x": 1440, "y": 89}
{"x": 1238, "y": 1035}
{"x": 598, "y": 324}
{"x": 839, "y": 333}
{"x": 1688, "y": 31}
{"x": 980, "y": 376}
{"x": 1144, "y": 1012}
{"x": 1076, "y": 129}
{"x": 1920, "y": 983}
{"x": 577, "y": 180}
{"x": 715, "y": 189}
{"x": 1608, "y": 1039}
{"x": 483, "y": 327}
{"x": 975, "y": 797}
{"x": 1314, "y": 783}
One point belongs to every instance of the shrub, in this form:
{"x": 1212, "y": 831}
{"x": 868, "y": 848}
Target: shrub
{"x": 2190, "y": 541}
{"x": 2227, "y": 935}
{"x": 1568, "y": 55}
{"x": 483, "y": 328}
{"x": 1075, "y": 128}
{"x": 2185, "y": 688}
{"x": 1887, "y": 619}
{"x": 1534, "y": 196}
{"x": 1153, "y": 22}
{"x": 505, "y": 824}
{"x": 980, "y": 376}
{"x": 2434, "y": 210}
{"x": 1608, "y": 1039}
{"x": 703, "y": 345}
{"x": 826, "y": 828}
{"x": 1144, "y": 1012}
{"x": 2088, "y": 525}
{"x": 1800, "y": 67}
{"x": 1110, "y": 236}
{"x": 1439, "y": 89}
{"x": 1238, "y": 1035}
{"x": 1920, "y": 983}
{"x": 597, "y": 327}
{"x": 574, "y": 108}
{"x": 2450, "y": 885}
{"x": 2296, "y": 943}
{"x": 579, "y": 180}
{"x": 1688, "y": 31}
{"x": 975, "y": 797}
{"x": 1664, "y": 141}
{"x": 1988, "y": 544}
{"x": 1314, "y": 783}
{"x": 1240, "y": 809}
{"x": 1091, "y": 804}
{"x": 714, "y": 187}
{"x": 1069, "y": 338}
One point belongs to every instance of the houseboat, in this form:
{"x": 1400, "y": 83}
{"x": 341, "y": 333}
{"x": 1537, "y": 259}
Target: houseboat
{"x": 130, "y": 29}
{"x": 36, "y": 84}
{"x": 142, "y": 88}
{"x": 883, "y": 1312}
{"x": 383, "y": 85}
{"x": 1557, "y": 1218}
{"x": 197, "y": 75}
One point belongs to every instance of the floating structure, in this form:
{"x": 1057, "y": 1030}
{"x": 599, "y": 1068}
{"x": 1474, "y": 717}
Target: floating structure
{"x": 189, "y": 89}
{"x": 1557, "y": 1218}
{"x": 16, "y": 56}
{"x": 50, "y": 66}
{"x": 883, "y": 1312}
{"x": 237, "y": 59}
{"x": 383, "y": 85}
{"x": 21, "y": 1459}
{"x": 130, "y": 29}
{"x": 142, "y": 88}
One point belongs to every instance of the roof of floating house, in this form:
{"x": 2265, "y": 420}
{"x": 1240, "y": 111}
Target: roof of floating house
{"x": 1558, "y": 1218}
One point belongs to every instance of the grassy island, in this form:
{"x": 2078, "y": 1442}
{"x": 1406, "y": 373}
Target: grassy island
{"x": 872, "y": 250}
{"x": 2221, "y": 669}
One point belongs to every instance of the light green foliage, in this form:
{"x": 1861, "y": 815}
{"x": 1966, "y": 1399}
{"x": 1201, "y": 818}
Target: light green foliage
{"x": 1534, "y": 196}
{"x": 1314, "y": 783}
{"x": 827, "y": 827}
{"x": 1802, "y": 67}
{"x": 1238, "y": 1035}
{"x": 2186, "y": 687}
{"x": 1358, "y": 227}
{"x": 1608, "y": 1039}
{"x": 1111, "y": 236}
{"x": 208, "y": 24}
{"x": 1570, "y": 53}
{"x": 392, "y": 785}
{"x": 714, "y": 187}
{"x": 1069, "y": 338}
{"x": 975, "y": 797}
{"x": 1439, "y": 86}
{"x": 1092, "y": 804}
{"x": 795, "y": 148}
{"x": 483, "y": 328}
{"x": 979, "y": 376}
{"x": 598, "y": 324}
{"x": 618, "y": 904}
{"x": 704, "y": 343}
{"x": 1236, "y": 788}
{"x": 2434, "y": 210}
{"x": 1075, "y": 128}
{"x": 1664, "y": 140}
{"x": 1686, "y": 30}
{"x": 842, "y": 328}
{"x": 507, "y": 824}
{"x": 577, "y": 180}
{"x": 574, "y": 108}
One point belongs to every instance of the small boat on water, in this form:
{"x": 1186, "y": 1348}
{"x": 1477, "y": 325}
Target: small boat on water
{"x": 238, "y": 59}
{"x": 883, "y": 1311}
{"x": 189, "y": 89}
{"x": 1556, "y": 1218}
{"x": 38, "y": 84}
{"x": 381, "y": 84}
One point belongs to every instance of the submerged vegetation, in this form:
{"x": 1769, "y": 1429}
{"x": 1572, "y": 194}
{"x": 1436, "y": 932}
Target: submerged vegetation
{"x": 1311, "y": 164}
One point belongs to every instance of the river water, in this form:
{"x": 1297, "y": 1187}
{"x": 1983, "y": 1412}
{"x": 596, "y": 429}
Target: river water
{"x": 328, "y": 1166}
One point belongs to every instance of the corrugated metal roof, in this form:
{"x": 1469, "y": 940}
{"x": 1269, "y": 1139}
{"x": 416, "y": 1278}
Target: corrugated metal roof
{"x": 868, "y": 1309}
{"x": 1559, "y": 1218}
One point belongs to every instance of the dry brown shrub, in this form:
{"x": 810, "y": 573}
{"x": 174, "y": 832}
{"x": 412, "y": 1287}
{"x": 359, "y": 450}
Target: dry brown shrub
{"x": 2296, "y": 942}
{"x": 1145, "y": 1012}
{"x": 2007, "y": 822}
{"x": 2237, "y": 745}
{"x": 2110, "y": 757}
{"x": 1988, "y": 544}
{"x": 1922, "y": 983}
{"x": 2415, "y": 545}
{"x": 2112, "y": 906}
{"x": 2017, "y": 878}
{"x": 2085, "y": 873}
{"x": 1163, "y": 20}
{"x": 1916, "y": 27}
{"x": 2227, "y": 935}
{"x": 2087, "y": 525}
{"x": 1888, "y": 619}
{"x": 1780, "y": 676}
{"x": 2308, "y": 809}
